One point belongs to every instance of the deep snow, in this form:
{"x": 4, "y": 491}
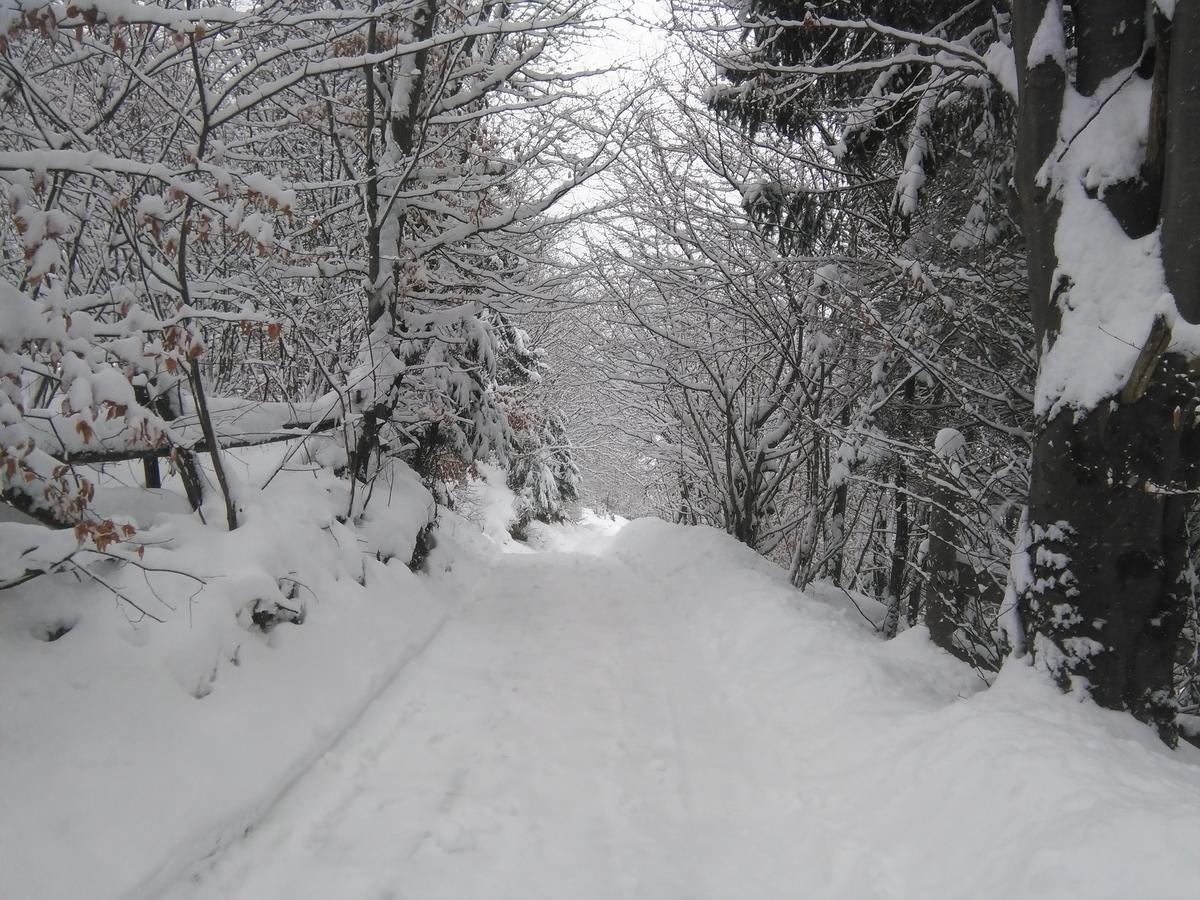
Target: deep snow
{"x": 128, "y": 747}
{"x": 646, "y": 711}
{"x": 662, "y": 717}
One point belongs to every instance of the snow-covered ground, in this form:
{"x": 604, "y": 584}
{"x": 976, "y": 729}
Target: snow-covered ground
{"x": 646, "y": 711}
{"x": 129, "y": 747}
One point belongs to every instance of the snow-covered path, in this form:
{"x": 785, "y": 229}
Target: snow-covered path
{"x": 562, "y": 738}
{"x": 657, "y": 722}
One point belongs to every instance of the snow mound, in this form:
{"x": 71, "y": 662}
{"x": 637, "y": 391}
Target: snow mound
{"x": 131, "y": 747}
{"x": 910, "y": 779}
{"x": 865, "y": 609}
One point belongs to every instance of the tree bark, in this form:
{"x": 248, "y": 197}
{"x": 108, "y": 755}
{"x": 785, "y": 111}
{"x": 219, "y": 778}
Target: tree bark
{"x": 943, "y": 593}
{"x": 1110, "y": 485}
{"x": 1039, "y": 108}
{"x": 895, "y": 582}
{"x": 1109, "y": 546}
{"x": 1181, "y": 163}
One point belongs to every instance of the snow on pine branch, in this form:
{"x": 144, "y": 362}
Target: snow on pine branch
{"x": 887, "y": 79}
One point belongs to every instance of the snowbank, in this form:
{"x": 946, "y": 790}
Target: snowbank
{"x": 129, "y": 747}
{"x": 915, "y": 781}
{"x": 869, "y": 610}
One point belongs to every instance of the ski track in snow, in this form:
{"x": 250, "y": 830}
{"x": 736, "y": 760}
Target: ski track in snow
{"x": 578, "y": 730}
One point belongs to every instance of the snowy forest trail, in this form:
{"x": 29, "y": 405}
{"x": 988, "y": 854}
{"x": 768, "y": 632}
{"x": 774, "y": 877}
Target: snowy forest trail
{"x": 563, "y": 737}
{"x": 650, "y": 721}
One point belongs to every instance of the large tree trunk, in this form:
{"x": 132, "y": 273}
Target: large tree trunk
{"x": 1109, "y": 491}
{"x": 1110, "y": 547}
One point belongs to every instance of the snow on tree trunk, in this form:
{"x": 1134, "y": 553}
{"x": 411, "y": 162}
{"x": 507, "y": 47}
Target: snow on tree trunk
{"x": 1113, "y": 300}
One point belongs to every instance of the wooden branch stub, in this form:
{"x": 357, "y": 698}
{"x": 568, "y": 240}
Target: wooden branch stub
{"x": 1147, "y": 361}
